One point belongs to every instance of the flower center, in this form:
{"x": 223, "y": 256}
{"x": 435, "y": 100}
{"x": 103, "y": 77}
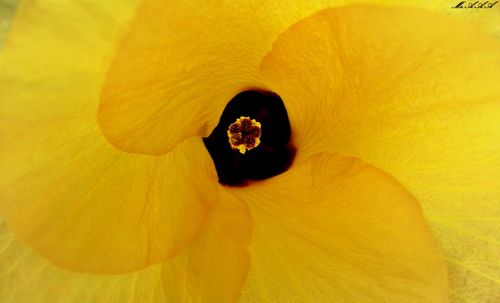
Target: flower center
{"x": 256, "y": 124}
{"x": 244, "y": 134}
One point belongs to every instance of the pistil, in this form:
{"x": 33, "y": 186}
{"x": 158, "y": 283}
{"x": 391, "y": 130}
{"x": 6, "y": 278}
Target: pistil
{"x": 244, "y": 134}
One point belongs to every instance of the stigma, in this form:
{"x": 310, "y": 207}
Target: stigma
{"x": 260, "y": 145}
{"x": 244, "y": 134}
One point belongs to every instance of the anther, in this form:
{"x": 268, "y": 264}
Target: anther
{"x": 244, "y": 134}
{"x": 269, "y": 140}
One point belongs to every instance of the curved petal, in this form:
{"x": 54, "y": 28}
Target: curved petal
{"x": 27, "y": 277}
{"x": 415, "y": 93}
{"x": 64, "y": 190}
{"x": 215, "y": 267}
{"x": 334, "y": 229}
{"x": 183, "y": 61}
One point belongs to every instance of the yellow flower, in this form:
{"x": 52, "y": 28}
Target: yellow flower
{"x": 105, "y": 175}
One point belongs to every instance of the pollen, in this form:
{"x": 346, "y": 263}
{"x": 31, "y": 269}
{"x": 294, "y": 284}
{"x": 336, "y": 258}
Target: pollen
{"x": 244, "y": 134}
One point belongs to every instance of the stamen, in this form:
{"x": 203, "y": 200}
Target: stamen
{"x": 273, "y": 151}
{"x": 244, "y": 134}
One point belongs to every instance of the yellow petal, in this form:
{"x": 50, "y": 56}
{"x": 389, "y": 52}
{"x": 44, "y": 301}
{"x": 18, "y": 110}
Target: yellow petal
{"x": 212, "y": 269}
{"x": 415, "y": 93}
{"x": 101, "y": 211}
{"x": 64, "y": 190}
{"x": 183, "y": 61}
{"x": 215, "y": 267}
{"x": 335, "y": 229}
{"x": 27, "y": 277}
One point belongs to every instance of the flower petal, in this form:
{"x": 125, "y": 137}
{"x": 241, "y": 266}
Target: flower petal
{"x": 182, "y": 62}
{"x": 337, "y": 230}
{"x": 64, "y": 190}
{"x": 27, "y": 277}
{"x": 415, "y": 93}
{"x": 215, "y": 267}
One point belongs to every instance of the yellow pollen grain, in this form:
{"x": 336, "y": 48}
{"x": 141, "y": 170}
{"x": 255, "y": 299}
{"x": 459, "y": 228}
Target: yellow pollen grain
{"x": 244, "y": 134}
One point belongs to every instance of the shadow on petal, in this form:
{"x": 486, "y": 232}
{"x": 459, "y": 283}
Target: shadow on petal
{"x": 334, "y": 229}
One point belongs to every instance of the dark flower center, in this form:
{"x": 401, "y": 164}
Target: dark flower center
{"x": 252, "y": 139}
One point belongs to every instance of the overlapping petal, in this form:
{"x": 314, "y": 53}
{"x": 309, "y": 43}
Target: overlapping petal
{"x": 25, "y": 276}
{"x": 183, "y": 60}
{"x": 335, "y": 229}
{"x": 163, "y": 80}
{"x": 214, "y": 269}
{"x": 180, "y": 64}
{"x": 65, "y": 190}
{"x": 416, "y": 94}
